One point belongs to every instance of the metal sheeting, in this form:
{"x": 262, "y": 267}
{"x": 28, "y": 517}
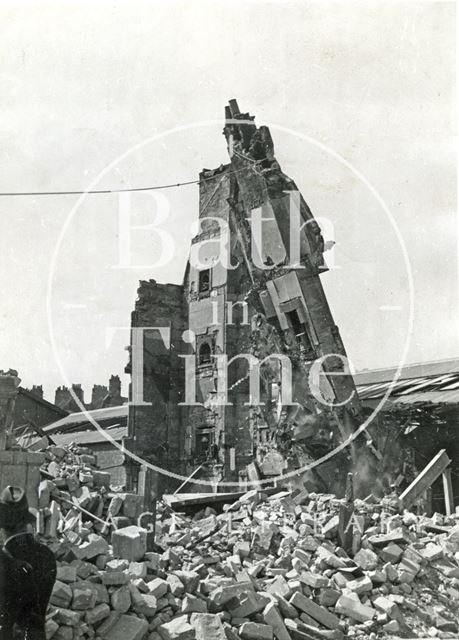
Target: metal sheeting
{"x": 435, "y": 389}
{"x": 409, "y": 371}
{"x": 81, "y": 417}
{"x": 90, "y": 437}
{"x": 436, "y": 397}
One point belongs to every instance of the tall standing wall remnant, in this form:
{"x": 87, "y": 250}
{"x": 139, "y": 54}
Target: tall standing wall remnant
{"x": 247, "y": 312}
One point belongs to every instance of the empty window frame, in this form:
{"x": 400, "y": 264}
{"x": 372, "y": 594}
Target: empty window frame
{"x": 299, "y": 329}
{"x": 204, "y": 281}
{"x": 204, "y": 354}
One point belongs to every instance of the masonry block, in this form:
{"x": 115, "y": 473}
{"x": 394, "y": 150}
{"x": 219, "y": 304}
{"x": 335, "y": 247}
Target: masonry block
{"x": 68, "y": 617}
{"x": 255, "y": 631}
{"x": 84, "y": 596}
{"x": 193, "y": 604}
{"x": 61, "y": 595}
{"x": 177, "y": 629}
{"x": 272, "y": 617}
{"x": 353, "y": 608}
{"x": 120, "y": 599}
{"x": 66, "y": 573}
{"x": 94, "y": 546}
{"x": 322, "y": 615}
{"x": 96, "y": 615}
{"x": 158, "y": 587}
{"x": 132, "y": 505}
{"x": 129, "y": 543}
{"x": 126, "y": 628}
{"x": 207, "y": 626}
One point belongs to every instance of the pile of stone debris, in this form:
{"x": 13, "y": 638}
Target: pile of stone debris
{"x": 75, "y": 494}
{"x": 267, "y": 567}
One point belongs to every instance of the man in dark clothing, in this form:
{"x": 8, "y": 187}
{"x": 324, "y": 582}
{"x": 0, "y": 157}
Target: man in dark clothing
{"x": 17, "y": 593}
{"x": 22, "y": 546}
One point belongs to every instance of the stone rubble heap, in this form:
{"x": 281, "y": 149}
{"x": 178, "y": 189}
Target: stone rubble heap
{"x": 73, "y": 489}
{"x": 266, "y": 568}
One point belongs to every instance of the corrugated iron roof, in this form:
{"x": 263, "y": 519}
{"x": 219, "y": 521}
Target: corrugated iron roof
{"x": 437, "y": 388}
{"x": 83, "y": 438}
{"x": 416, "y": 370}
{"x": 435, "y": 397}
{"x": 81, "y": 418}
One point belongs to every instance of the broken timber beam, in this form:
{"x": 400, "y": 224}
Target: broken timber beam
{"x": 425, "y": 479}
{"x": 192, "y": 474}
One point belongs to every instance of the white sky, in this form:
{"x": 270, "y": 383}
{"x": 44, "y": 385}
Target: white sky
{"x": 83, "y": 83}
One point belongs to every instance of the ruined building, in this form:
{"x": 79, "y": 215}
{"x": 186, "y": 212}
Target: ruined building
{"x": 264, "y": 298}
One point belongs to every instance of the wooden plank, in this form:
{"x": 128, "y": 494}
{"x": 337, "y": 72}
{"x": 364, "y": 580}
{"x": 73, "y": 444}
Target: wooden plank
{"x": 192, "y": 474}
{"x": 448, "y": 489}
{"x": 181, "y": 500}
{"x": 425, "y": 479}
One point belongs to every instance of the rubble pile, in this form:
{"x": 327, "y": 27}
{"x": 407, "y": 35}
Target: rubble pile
{"x": 74, "y": 491}
{"x": 265, "y": 568}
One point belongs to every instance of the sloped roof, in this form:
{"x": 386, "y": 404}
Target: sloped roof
{"x": 117, "y": 414}
{"x": 88, "y": 437}
{"x": 42, "y": 401}
{"x": 434, "y": 382}
{"x": 415, "y": 370}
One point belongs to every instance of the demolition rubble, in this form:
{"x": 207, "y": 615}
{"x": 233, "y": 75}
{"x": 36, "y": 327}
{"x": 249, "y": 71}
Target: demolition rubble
{"x": 284, "y": 566}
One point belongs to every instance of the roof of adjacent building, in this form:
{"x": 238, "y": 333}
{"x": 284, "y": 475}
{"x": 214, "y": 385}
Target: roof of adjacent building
{"x": 426, "y": 382}
{"x": 88, "y": 437}
{"x": 39, "y": 400}
{"x": 81, "y": 420}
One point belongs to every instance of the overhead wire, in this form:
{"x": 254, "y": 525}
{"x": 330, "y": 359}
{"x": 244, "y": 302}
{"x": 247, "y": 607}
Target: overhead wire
{"x": 115, "y": 190}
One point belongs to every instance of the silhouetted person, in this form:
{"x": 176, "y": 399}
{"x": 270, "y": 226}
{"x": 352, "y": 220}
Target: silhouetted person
{"x": 18, "y": 595}
{"x": 32, "y": 567}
